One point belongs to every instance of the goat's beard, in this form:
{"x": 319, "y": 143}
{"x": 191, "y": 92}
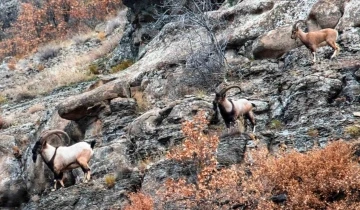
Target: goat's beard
{"x": 35, "y": 150}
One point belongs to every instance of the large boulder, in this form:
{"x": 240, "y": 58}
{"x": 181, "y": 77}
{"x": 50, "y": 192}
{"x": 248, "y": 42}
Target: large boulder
{"x": 351, "y": 16}
{"x": 325, "y": 14}
{"x": 274, "y": 43}
{"x": 77, "y": 107}
{"x": 231, "y": 148}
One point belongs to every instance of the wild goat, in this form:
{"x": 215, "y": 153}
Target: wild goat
{"x": 316, "y": 39}
{"x": 63, "y": 158}
{"x": 232, "y": 110}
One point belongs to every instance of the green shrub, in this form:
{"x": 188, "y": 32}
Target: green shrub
{"x": 353, "y": 130}
{"x": 275, "y": 124}
{"x": 121, "y": 66}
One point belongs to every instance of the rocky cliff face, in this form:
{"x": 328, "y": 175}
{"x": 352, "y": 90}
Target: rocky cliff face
{"x": 299, "y": 104}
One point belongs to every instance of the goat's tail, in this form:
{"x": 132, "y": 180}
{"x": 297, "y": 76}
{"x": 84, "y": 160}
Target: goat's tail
{"x": 92, "y": 144}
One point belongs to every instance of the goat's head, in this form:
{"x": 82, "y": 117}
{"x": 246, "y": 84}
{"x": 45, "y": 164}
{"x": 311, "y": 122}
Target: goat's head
{"x": 295, "y": 29}
{"x": 220, "y": 96}
{"x": 40, "y": 145}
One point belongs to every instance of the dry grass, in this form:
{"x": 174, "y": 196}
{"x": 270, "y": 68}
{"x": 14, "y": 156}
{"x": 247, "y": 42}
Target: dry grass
{"x": 73, "y": 70}
{"x": 36, "y": 108}
{"x": 46, "y": 83}
{"x": 110, "y": 180}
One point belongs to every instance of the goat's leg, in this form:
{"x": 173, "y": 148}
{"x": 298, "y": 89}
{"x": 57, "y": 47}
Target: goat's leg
{"x": 335, "y": 47}
{"x": 314, "y": 57}
{"x": 58, "y": 178}
{"x": 55, "y": 182}
{"x": 85, "y": 168}
{"x": 62, "y": 180}
{"x": 251, "y": 118}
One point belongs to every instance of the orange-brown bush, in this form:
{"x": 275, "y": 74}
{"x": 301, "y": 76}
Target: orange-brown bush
{"x": 214, "y": 188}
{"x": 326, "y": 178}
{"x": 52, "y": 19}
{"x": 139, "y": 201}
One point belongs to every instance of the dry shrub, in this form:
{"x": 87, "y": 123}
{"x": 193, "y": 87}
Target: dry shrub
{"x": 142, "y": 105}
{"x": 40, "y": 67}
{"x": 16, "y": 152}
{"x": 81, "y": 38}
{"x": 94, "y": 69}
{"x": 313, "y": 132}
{"x": 320, "y": 179}
{"x": 1, "y": 122}
{"x": 48, "y": 52}
{"x": 214, "y": 188}
{"x": 12, "y": 64}
{"x": 21, "y": 93}
{"x": 101, "y": 35}
{"x": 326, "y": 178}
{"x": 36, "y": 108}
{"x": 110, "y": 180}
{"x": 139, "y": 201}
{"x": 6, "y": 122}
{"x": 3, "y": 99}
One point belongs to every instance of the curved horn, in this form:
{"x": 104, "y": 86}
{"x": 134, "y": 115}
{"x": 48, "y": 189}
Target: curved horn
{"x": 297, "y": 22}
{"x": 223, "y": 91}
{"x": 45, "y": 134}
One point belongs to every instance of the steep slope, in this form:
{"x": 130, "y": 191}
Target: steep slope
{"x": 299, "y": 104}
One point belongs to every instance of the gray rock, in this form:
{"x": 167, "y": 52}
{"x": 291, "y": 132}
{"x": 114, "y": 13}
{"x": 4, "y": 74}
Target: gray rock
{"x": 231, "y": 148}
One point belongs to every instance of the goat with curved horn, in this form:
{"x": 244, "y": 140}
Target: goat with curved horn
{"x": 315, "y": 39}
{"x": 231, "y": 110}
{"x": 63, "y": 158}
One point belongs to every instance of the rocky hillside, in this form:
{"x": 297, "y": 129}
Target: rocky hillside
{"x": 135, "y": 115}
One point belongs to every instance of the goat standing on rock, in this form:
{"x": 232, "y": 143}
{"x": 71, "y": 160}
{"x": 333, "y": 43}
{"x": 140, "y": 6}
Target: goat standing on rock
{"x": 60, "y": 159}
{"x": 232, "y": 110}
{"x": 316, "y": 39}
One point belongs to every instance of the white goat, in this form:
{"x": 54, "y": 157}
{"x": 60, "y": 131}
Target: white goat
{"x": 232, "y": 110}
{"x": 60, "y": 159}
{"x": 316, "y": 39}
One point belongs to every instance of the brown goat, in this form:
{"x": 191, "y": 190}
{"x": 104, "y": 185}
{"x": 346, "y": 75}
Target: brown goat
{"x": 315, "y": 39}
